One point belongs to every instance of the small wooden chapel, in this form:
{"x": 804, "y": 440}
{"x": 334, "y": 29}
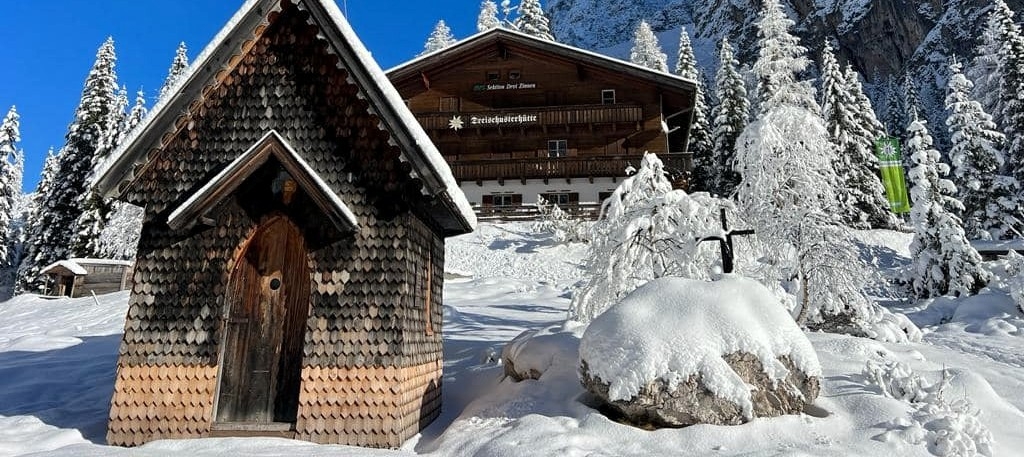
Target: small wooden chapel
{"x": 290, "y": 266}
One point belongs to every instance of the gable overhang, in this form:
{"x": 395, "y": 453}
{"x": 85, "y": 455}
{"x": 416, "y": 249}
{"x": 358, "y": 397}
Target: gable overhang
{"x": 117, "y": 174}
{"x": 447, "y": 58}
{"x": 64, "y": 268}
{"x": 196, "y": 208}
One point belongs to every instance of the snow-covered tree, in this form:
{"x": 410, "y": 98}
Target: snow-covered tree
{"x": 10, "y": 182}
{"x": 785, "y": 158}
{"x": 646, "y": 231}
{"x": 119, "y": 238}
{"x": 780, "y": 61}
{"x": 853, "y": 128}
{"x": 895, "y": 110}
{"x": 729, "y": 120}
{"x": 533, "y": 21}
{"x": 984, "y": 71}
{"x": 989, "y": 199}
{"x": 488, "y": 18}
{"x": 700, "y": 129}
{"x": 1011, "y": 85}
{"x": 138, "y": 112}
{"x": 36, "y": 253}
{"x": 943, "y": 261}
{"x": 90, "y": 136}
{"x": 646, "y": 51}
{"x": 178, "y": 68}
{"x": 439, "y": 39}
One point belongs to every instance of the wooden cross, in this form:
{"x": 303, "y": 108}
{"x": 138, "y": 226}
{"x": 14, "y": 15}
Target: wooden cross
{"x": 725, "y": 243}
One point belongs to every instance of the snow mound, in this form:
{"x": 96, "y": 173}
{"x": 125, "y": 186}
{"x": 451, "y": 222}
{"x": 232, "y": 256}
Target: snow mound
{"x": 673, "y": 328}
{"x": 533, "y": 352}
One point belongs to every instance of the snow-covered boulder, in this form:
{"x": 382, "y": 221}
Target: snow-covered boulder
{"x": 531, "y": 353}
{"x": 678, "y": 352}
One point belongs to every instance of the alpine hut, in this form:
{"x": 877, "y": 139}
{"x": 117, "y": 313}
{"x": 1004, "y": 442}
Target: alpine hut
{"x": 290, "y": 267}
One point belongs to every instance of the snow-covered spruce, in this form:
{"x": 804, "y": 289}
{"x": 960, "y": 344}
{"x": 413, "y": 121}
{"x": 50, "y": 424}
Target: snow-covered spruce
{"x": 10, "y": 183}
{"x": 729, "y": 119}
{"x": 646, "y": 51}
{"x": 532, "y": 20}
{"x": 682, "y": 351}
{"x": 488, "y": 18}
{"x": 700, "y": 144}
{"x": 990, "y": 199}
{"x": 178, "y": 68}
{"x": 1010, "y": 58}
{"x": 647, "y": 231}
{"x": 441, "y": 37}
{"x": 943, "y": 260}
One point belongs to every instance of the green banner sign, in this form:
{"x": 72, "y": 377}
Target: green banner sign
{"x": 888, "y": 152}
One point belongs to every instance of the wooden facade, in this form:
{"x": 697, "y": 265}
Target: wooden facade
{"x": 83, "y": 277}
{"x": 517, "y": 117}
{"x": 289, "y": 272}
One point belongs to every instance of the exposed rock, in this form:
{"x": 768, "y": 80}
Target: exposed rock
{"x": 692, "y": 403}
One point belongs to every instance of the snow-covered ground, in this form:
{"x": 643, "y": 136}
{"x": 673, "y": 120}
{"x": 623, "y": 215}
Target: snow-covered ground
{"x": 57, "y": 361}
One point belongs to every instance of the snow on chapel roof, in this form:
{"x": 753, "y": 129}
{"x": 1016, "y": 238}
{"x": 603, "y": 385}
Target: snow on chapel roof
{"x": 417, "y": 148}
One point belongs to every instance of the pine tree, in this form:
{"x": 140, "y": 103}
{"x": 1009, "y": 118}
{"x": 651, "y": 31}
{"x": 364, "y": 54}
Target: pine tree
{"x": 895, "y": 118}
{"x": 138, "y": 112}
{"x": 700, "y": 130}
{"x": 439, "y": 39}
{"x": 36, "y": 255}
{"x": 943, "y": 260}
{"x": 533, "y": 21}
{"x": 178, "y": 68}
{"x": 853, "y": 128}
{"x": 989, "y": 199}
{"x": 1011, "y": 85}
{"x": 488, "y": 18}
{"x": 780, "y": 60}
{"x": 985, "y": 73}
{"x": 730, "y": 119}
{"x": 9, "y": 178}
{"x": 89, "y": 137}
{"x": 646, "y": 51}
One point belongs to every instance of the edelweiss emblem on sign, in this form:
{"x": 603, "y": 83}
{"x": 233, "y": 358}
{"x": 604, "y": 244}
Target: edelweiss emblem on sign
{"x": 456, "y": 123}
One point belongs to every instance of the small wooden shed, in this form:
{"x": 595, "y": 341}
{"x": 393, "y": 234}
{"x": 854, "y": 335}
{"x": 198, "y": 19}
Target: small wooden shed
{"x": 81, "y": 277}
{"x": 290, "y": 267}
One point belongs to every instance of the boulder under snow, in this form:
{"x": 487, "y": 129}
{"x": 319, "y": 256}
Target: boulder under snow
{"x": 678, "y": 352}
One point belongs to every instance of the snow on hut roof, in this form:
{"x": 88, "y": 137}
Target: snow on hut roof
{"x": 553, "y": 46}
{"x": 406, "y": 131}
{"x": 68, "y": 265}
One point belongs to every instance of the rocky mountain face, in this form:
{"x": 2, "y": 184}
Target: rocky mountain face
{"x": 879, "y": 37}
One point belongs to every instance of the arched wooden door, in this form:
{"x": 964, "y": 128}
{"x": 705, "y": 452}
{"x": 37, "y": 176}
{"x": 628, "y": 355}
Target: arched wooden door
{"x": 261, "y": 362}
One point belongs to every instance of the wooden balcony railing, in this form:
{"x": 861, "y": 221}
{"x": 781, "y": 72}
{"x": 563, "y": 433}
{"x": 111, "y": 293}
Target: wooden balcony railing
{"x": 586, "y": 114}
{"x": 561, "y": 167}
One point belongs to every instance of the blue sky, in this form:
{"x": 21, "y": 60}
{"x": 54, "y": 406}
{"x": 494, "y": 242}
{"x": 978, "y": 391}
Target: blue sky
{"x": 48, "y": 47}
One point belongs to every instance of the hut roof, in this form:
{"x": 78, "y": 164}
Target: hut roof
{"x": 451, "y": 209}
{"x": 65, "y": 265}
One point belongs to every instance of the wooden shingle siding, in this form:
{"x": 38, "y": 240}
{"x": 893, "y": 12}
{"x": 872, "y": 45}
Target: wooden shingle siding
{"x": 370, "y": 373}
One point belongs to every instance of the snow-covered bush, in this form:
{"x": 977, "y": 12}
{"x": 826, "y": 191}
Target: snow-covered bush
{"x": 533, "y": 352}
{"x": 1014, "y": 280}
{"x": 948, "y": 428}
{"x": 560, "y": 224}
{"x": 647, "y": 231}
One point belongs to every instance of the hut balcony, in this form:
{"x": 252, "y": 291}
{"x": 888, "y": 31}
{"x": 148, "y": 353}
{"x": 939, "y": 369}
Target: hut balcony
{"x": 583, "y": 166}
{"x": 622, "y": 116}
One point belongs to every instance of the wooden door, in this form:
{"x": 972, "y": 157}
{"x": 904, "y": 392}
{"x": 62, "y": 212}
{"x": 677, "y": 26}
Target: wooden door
{"x": 269, "y": 294}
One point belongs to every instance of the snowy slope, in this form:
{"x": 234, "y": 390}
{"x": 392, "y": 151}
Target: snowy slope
{"x": 57, "y": 362}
